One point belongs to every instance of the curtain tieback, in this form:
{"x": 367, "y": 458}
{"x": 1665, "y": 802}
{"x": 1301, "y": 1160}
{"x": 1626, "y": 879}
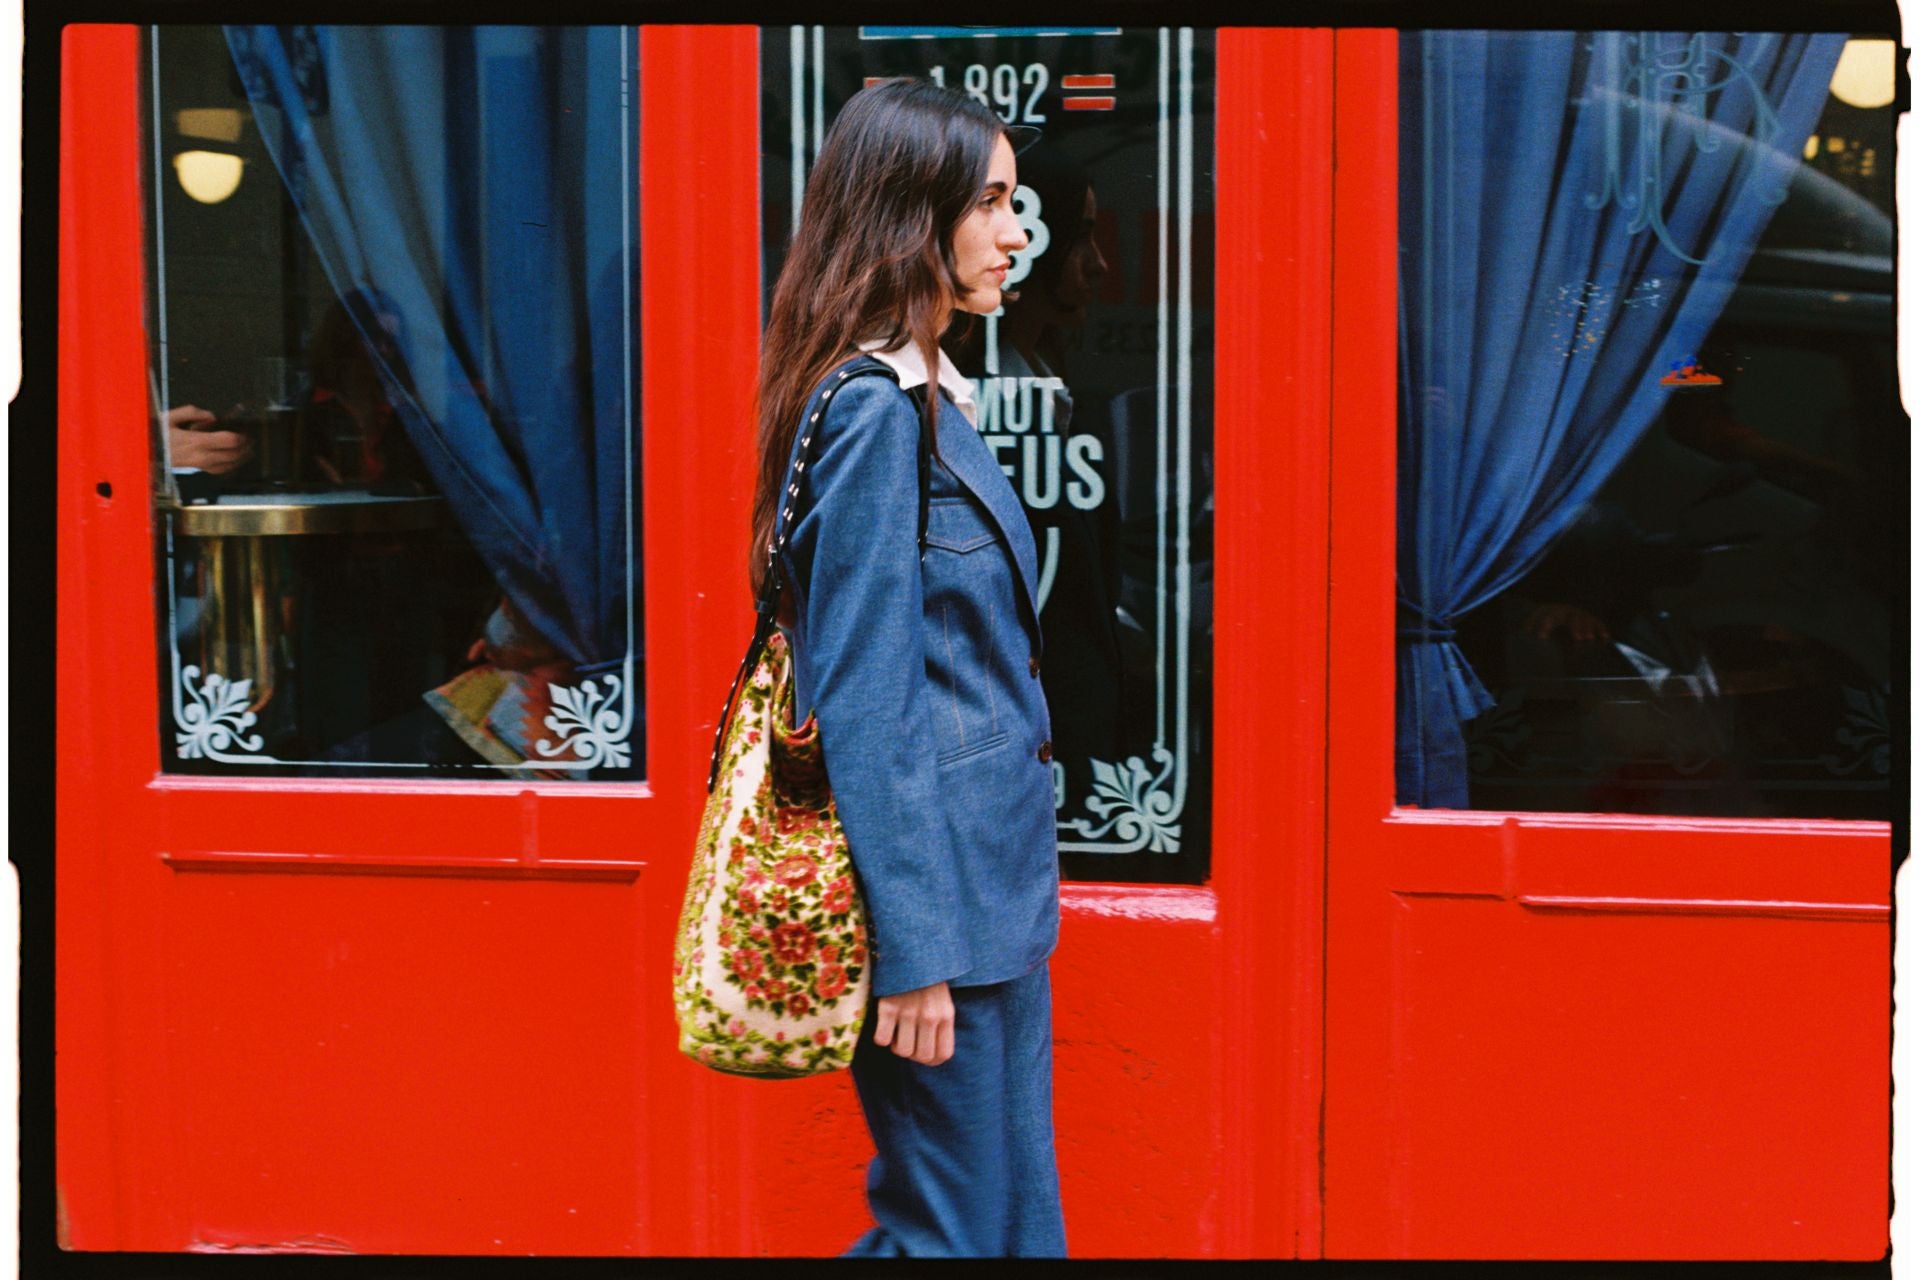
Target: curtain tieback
{"x": 1413, "y": 623}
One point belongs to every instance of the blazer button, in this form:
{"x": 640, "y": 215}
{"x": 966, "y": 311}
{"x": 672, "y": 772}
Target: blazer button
{"x": 1033, "y": 667}
{"x": 1046, "y": 751}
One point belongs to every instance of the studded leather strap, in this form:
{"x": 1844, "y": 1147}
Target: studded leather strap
{"x": 768, "y": 604}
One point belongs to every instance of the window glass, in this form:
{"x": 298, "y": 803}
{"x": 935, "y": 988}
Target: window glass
{"x": 1649, "y": 425}
{"x": 1095, "y": 387}
{"x": 393, "y": 282}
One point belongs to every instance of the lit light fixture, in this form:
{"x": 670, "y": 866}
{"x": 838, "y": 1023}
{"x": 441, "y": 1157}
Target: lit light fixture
{"x": 208, "y": 176}
{"x": 1864, "y": 77}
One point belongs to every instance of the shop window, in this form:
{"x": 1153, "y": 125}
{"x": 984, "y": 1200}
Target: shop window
{"x": 1095, "y": 386}
{"x": 1649, "y": 498}
{"x": 392, "y": 297}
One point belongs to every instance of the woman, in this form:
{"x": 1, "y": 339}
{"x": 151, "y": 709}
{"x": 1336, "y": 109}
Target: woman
{"x": 922, "y": 666}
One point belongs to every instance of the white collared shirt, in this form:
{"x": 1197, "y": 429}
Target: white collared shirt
{"x": 905, "y": 361}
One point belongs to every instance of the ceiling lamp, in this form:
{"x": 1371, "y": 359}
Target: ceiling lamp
{"x": 1865, "y": 76}
{"x": 208, "y": 176}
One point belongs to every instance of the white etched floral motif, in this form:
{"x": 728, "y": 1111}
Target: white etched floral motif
{"x": 217, "y": 719}
{"x": 592, "y": 724}
{"x": 1137, "y": 807}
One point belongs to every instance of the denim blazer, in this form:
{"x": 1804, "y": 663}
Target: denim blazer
{"x": 924, "y": 673}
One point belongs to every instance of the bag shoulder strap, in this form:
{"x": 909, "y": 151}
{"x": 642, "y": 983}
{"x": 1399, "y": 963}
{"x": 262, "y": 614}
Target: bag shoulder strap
{"x": 767, "y": 607}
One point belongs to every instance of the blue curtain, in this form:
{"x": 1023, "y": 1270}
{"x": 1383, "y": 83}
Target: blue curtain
{"x": 1575, "y": 210}
{"x": 480, "y": 182}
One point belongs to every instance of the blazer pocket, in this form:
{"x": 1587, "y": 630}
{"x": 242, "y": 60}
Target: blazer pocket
{"x": 977, "y": 747}
{"x": 954, "y": 525}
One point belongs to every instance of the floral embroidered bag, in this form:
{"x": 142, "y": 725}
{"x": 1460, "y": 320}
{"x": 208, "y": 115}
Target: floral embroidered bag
{"x": 772, "y": 961}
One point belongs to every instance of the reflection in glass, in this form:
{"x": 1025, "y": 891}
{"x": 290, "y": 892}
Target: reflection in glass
{"x": 408, "y": 542}
{"x": 1094, "y": 387}
{"x": 1646, "y": 514}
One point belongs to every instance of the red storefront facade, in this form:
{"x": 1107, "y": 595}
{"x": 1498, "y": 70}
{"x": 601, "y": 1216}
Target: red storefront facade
{"x": 386, "y": 1016}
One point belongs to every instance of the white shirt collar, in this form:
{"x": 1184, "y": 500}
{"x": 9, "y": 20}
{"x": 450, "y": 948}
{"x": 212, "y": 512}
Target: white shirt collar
{"x": 905, "y": 360}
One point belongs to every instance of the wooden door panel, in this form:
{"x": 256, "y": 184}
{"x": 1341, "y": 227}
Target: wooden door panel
{"x": 1548, "y": 1035}
{"x": 328, "y": 1031}
{"x": 1579, "y": 1085}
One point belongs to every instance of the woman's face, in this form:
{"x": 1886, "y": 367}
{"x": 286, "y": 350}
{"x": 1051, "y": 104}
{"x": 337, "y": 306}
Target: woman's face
{"x": 1085, "y": 267}
{"x": 987, "y": 235}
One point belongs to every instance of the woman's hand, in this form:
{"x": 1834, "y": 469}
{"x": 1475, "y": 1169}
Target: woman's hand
{"x": 918, "y": 1024}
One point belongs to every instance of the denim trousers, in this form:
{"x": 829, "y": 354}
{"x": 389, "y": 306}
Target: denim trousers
{"x": 964, "y": 1164}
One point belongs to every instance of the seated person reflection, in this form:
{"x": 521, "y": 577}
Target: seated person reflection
{"x": 354, "y": 436}
{"x": 385, "y": 616}
{"x": 444, "y": 667}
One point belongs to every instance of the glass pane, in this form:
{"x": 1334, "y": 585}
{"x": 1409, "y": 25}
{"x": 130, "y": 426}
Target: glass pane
{"x": 393, "y": 295}
{"x": 1095, "y": 386}
{"x": 1649, "y": 426}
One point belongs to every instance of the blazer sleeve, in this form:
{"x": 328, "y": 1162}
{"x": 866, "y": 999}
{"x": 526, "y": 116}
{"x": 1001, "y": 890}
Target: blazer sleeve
{"x": 860, "y": 656}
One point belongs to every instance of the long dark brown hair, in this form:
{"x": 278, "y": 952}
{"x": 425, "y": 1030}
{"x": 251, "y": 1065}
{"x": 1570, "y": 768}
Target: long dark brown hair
{"x": 872, "y": 256}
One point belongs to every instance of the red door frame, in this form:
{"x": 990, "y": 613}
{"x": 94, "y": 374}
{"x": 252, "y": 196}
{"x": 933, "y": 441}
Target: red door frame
{"x": 268, "y": 1032}
{"x": 1720, "y": 1087}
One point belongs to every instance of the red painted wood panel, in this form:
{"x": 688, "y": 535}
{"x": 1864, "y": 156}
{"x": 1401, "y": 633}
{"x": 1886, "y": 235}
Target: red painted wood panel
{"x": 425, "y": 1015}
{"x": 1567, "y": 1035}
{"x": 1274, "y": 334}
{"x": 111, "y": 1141}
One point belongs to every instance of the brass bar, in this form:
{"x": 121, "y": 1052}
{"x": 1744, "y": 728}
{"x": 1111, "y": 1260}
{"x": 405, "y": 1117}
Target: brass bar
{"x": 290, "y": 519}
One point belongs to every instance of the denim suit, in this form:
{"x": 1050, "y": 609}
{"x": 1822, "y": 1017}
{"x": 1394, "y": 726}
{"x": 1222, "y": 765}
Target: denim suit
{"x": 924, "y": 674}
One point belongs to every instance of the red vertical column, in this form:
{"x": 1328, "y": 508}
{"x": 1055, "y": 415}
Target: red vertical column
{"x": 111, "y": 1089}
{"x": 700, "y": 291}
{"x": 1274, "y": 332}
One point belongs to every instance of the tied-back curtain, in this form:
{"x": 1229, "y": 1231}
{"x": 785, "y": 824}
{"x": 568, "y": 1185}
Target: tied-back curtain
{"x": 476, "y": 184}
{"x": 1575, "y": 210}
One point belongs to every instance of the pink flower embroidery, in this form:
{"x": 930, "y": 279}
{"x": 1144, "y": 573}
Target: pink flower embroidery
{"x": 748, "y": 964}
{"x": 754, "y": 877}
{"x": 777, "y": 902}
{"x": 794, "y": 871}
{"x": 798, "y": 1004}
{"x": 830, "y": 981}
{"x": 839, "y": 899}
{"x": 736, "y": 1028}
{"x": 748, "y": 901}
{"x": 792, "y": 943}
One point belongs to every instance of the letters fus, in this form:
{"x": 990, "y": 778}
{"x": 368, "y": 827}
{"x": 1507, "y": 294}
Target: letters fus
{"x": 1017, "y": 423}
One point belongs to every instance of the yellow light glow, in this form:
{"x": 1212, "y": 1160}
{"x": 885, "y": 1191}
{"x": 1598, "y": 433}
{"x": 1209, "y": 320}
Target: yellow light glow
{"x": 1864, "y": 77}
{"x": 1813, "y": 146}
{"x": 208, "y": 176}
{"x": 215, "y": 124}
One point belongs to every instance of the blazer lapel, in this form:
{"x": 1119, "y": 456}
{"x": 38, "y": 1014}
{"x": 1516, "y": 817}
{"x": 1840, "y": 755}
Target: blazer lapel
{"x": 966, "y": 455}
